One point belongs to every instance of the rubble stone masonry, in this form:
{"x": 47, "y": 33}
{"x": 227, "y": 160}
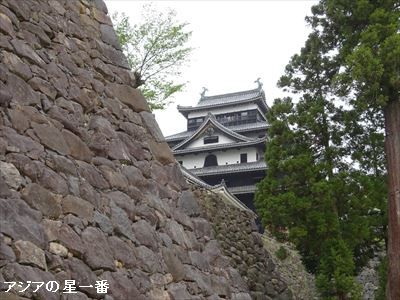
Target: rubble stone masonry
{"x": 89, "y": 190}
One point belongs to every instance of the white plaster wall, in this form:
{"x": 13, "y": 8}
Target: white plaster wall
{"x": 222, "y": 110}
{"x": 190, "y": 161}
{"x": 222, "y": 139}
{"x": 231, "y": 156}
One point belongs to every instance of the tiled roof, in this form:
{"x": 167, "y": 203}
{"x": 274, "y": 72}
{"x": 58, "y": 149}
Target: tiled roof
{"x": 226, "y": 99}
{"x": 245, "y": 189}
{"x": 178, "y": 136}
{"x": 237, "y": 128}
{"x": 194, "y": 179}
{"x": 233, "y": 168}
{"x": 211, "y": 147}
{"x": 220, "y": 189}
{"x": 229, "y": 98}
{"x": 248, "y": 127}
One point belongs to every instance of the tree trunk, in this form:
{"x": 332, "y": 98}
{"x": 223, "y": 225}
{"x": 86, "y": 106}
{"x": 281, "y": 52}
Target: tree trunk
{"x": 392, "y": 147}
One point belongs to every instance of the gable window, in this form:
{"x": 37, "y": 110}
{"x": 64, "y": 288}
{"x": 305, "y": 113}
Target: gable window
{"x": 243, "y": 158}
{"x": 211, "y": 160}
{"x": 210, "y": 139}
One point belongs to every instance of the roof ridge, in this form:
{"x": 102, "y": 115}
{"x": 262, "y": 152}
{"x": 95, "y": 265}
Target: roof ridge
{"x": 228, "y": 94}
{"x": 219, "y": 146}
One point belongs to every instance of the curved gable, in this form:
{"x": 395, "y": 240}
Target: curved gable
{"x": 210, "y": 123}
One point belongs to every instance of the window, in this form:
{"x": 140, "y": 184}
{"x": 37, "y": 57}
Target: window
{"x": 210, "y": 139}
{"x": 211, "y": 160}
{"x": 194, "y": 123}
{"x": 243, "y": 158}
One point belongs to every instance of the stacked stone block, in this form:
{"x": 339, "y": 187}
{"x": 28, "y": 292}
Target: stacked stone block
{"x": 241, "y": 242}
{"x": 89, "y": 190}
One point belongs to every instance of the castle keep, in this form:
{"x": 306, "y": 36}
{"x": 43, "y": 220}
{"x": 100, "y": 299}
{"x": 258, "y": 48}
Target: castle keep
{"x": 225, "y": 141}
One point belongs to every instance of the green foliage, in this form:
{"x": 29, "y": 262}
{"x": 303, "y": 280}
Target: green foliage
{"x": 325, "y": 186}
{"x": 382, "y": 273}
{"x": 156, "y": 50}
{"x": 335, "y": 273}
{"x": 331, "y": 210}
{"x": 282, "y": 253}
{"x": 365, "y": 36}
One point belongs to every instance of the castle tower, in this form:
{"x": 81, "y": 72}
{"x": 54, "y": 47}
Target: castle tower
{"x": 225, "y": 140}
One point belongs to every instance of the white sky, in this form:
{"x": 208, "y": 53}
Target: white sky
{"x": 235, "y": 43}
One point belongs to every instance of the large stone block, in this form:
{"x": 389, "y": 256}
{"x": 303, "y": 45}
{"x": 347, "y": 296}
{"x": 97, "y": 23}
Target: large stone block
{"x": 178, "y": 291}
{"x": 52, "y": 181}
{"x": 174, "y": 264}
{"x": 6, "y": 25}
{"x": 145, "y": 234}
{"x": 42, "y": 200}
{"x": 16, "y": 65}
{"x": 149, "y": 261}
{"x": 92, "y": 175}
{"x": 161, "y": 152}
{"x": 129, "y": 96}
{"x": 178, "y": 235}
{"x": 20, "y": 222}
{"x": 21, "y": 143}
{"x": 150, "y": 121}
{"x": 6, "y": 253}
{"x": 188, "y": 203}
{"x": 18, "y": 119}
{"x": 78, "y": 207}
{"x": 98, "y": 254}
{"x": 11, "y": 175}
{"x": 51, "y": 137}
{"x": 4, "y": 190}
{"x": 71, "y": 240}
{"x": 29, "y": 254}
{"x": 124, "y": 252}
{"x": 108, "y": 36}
{"x": 24, "y": 50}
{"x": 120, "y": 220}
{"x": 43, "y": 86}
{"x": 21, "y": 92}
{"x": 77, "y": 148}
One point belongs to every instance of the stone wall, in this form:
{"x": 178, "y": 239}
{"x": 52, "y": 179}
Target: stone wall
{"x": 368, "y": 277}
{"x": 291, "y": 268}
{"x": 240, "y": 240}
{"x": 89, "y": 190}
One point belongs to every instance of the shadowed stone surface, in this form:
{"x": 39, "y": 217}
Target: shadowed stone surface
{"x": 89, "y": 190}
{"x": 29, "y": 254}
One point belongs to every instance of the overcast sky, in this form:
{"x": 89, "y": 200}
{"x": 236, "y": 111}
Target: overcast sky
{"x": 235, "y": 43}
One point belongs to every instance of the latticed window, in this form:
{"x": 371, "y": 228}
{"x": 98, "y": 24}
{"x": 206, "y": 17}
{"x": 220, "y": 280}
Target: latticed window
{"x": 210, "y": 139}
